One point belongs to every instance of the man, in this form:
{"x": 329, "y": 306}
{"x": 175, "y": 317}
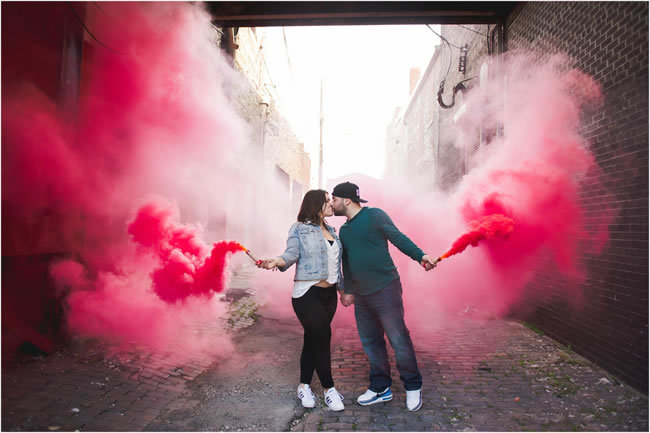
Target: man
{"x": 373, "y": 284}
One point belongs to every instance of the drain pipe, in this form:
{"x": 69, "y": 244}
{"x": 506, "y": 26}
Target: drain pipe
{"x": 501, "y": 49}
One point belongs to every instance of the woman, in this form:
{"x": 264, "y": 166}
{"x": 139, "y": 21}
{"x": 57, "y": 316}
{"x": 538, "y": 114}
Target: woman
{"x": 316, "y": 250}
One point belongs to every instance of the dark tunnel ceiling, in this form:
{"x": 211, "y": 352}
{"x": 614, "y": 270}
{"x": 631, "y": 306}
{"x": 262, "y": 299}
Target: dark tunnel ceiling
{"x": 293, "y": 13}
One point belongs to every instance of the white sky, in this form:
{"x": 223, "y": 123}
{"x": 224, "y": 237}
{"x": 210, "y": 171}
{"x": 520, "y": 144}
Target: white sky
{"x": 365, "y": 73}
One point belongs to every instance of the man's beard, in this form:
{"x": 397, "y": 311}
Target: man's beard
{"x": 339, "y": 212}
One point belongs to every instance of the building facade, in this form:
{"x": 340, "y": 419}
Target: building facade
{"x": 260, "y": 106}
{"x": 271, "y": 142}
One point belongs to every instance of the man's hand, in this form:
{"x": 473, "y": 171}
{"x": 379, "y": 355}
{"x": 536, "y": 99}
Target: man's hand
{"x": 428, "y": 263}
{"x": 346, "y": 299}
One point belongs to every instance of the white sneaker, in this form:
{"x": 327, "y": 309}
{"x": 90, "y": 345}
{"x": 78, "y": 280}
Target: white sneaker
{"x": 306, "y": 396}
{"x": 371, "y": 397}
{"x": 414, "y": 400}
{"x": 334, "y": 400}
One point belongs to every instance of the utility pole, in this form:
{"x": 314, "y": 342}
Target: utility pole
{"x": 320, "y": 156}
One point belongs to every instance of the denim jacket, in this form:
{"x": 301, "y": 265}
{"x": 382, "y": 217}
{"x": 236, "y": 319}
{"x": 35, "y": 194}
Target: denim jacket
{"x": 307, "y": 246}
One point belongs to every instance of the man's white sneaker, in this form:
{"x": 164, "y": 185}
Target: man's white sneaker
{"x": 414, "y": 400}
{"x": 334, "y": 400}
{"x": 371, "y": 397}
{"x": 306, "y": 396}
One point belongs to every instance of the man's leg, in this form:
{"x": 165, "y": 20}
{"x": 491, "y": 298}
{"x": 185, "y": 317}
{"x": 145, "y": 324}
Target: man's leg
{"x": 371, "y": 334}
{"x": 391, "y": 313}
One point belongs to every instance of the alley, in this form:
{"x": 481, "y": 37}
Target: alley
{"x": 494, "y": 375}
{"x": 147, "y": 145}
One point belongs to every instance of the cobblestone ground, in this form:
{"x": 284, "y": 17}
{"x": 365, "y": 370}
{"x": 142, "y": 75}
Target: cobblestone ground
{"x": 478, "y": 376}
{"x": 483, "y": 376}
{"x": 93, "y": 391}
{"x": 90, "y": 387}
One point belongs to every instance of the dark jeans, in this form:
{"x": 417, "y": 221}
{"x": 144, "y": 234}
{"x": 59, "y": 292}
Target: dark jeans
{"x": 379, "y": 313}
{"x": 315, "y": 310}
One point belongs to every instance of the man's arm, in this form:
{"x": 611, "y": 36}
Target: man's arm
{"x": 403, "y": 242}
{"x": 396, "y": 237}
{"x": 347, "y": 298}
{"x": 345, "y": 270}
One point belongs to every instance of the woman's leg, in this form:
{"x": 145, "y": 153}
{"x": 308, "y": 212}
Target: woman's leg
{"x": 306, "y": 360}
{"x": 324, "y": 359}
{"x": 331, "y": 302}
{"x": 301, "y": 308}
{"x": 315, "y": 311}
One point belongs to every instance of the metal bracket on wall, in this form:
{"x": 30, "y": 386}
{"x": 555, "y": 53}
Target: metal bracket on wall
{"x": 458, "y": 87}
{"x": 462, "y": 59}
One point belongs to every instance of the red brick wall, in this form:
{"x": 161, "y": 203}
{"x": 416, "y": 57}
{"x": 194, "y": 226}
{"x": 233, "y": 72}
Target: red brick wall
{"x": 609, "y": 40}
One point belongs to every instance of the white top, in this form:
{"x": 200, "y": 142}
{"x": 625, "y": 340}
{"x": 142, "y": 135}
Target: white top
{"x": 301, "y": 287}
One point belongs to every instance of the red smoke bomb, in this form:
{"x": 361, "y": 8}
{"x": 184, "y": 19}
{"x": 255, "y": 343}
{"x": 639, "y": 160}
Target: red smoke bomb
{"x": 250, "y": 254}
{"x": 486, "y": 227}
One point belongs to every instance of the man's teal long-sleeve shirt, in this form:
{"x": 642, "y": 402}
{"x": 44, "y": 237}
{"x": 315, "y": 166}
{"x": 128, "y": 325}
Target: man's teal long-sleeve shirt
{"x": 367, "y": 264}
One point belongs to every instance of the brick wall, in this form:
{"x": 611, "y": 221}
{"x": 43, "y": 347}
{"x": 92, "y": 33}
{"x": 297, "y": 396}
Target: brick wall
{"x": 609, "y": 41}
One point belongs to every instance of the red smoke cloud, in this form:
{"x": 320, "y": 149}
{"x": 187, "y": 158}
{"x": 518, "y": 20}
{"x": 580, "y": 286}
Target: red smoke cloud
{"x": 186, "y": 269}
{"x": 154, "y": 118}
{"x": 121, "y": 308}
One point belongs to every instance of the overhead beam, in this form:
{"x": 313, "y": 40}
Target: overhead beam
{"x": 295, "y": 13}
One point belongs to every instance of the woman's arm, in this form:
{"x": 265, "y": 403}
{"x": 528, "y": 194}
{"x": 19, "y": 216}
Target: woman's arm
{"x": 290, "y": 255}
{"x": 271, "y": 263}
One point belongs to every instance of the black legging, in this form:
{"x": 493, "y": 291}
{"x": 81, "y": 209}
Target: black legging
{"x": 315, "y": 310}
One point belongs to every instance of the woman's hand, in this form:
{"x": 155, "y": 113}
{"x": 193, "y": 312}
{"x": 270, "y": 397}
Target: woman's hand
{"x": 268, "y": 263}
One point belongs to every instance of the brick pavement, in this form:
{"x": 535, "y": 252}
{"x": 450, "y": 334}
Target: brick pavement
{"x": 479, "y": 375}
{"x": 483, "y": 376}
{"x": 93, "y": 386}
{"x": 93, "y": 390}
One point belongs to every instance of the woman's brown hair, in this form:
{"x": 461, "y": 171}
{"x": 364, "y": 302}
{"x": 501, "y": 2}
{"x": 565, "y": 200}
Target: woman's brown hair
{"x": 312, "y": 205}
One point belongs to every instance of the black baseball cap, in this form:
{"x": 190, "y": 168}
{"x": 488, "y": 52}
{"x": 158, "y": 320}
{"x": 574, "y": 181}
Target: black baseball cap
{"x": 348, "y": 190}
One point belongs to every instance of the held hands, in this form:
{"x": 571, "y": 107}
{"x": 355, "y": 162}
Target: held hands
{"x": 428, "y": 263}
{"x": 346, "y": 299}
